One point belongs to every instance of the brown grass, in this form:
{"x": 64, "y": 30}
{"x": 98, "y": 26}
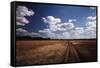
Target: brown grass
{"x": 49, "y": 51}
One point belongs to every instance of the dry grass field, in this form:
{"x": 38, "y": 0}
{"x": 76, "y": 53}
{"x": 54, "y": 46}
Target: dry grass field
{"x": 55, "y": 51}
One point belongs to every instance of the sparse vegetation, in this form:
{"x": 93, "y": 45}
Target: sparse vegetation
{"x": 53, "y": 51}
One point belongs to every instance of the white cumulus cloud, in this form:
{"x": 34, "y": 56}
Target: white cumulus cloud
{"x": 51, "y": 20}
{"x": 23, "y": 32}
{"x": 66, "y": 35}
{"x": 21, "y": 12}
{"x": 55, "y": 24}
{"x": 72, "y": 20}
{"x": 91, "y": 18}
{"x": 67, "y": 30}
{"x": 48, "y": 33}
{"x": 21, "y": 21}
{"x": 91, "y": 25}
{"x": 90, "y": 30}
{"x": 65, "y": 26}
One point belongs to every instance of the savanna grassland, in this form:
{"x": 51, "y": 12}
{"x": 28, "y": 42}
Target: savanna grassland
{"x": 55, "y": 51}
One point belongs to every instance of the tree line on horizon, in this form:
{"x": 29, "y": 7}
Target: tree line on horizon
{"x": 41, "y": 38}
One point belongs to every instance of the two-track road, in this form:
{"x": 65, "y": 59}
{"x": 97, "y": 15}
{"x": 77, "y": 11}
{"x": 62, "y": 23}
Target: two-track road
{"x": 71, "y": 54}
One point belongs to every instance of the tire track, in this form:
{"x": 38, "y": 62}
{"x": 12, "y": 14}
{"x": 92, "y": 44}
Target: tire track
{"x": 71, "y": 54}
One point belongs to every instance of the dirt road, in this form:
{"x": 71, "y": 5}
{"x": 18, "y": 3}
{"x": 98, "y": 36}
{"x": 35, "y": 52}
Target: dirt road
{"x": 71, "y": 54}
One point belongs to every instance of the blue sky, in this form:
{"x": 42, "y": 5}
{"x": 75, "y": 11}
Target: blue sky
{"x": 39, "y": 20}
